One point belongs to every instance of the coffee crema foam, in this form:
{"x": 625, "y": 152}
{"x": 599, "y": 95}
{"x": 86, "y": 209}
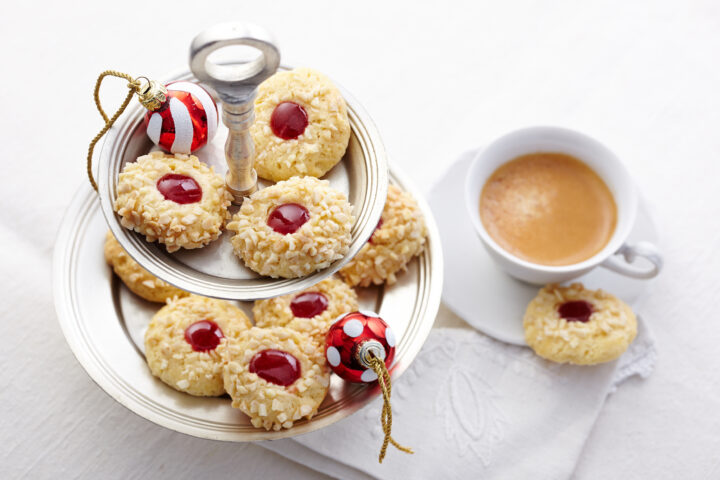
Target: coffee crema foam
{"x": 548, "y": 208}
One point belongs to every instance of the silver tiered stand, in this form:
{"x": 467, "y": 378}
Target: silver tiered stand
{"x": 104, "y": 323}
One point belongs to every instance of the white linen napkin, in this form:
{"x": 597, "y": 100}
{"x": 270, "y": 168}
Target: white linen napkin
{"x": 473, "y": 407}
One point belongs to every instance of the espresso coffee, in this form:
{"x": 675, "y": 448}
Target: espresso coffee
{"x": 548, "y": 208}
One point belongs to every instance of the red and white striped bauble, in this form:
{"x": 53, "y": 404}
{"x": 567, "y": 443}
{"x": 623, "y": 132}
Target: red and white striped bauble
{"x": 186, "y": 121}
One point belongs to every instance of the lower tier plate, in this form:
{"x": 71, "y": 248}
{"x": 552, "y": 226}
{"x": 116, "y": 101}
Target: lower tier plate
{"x": 104, "y": 324}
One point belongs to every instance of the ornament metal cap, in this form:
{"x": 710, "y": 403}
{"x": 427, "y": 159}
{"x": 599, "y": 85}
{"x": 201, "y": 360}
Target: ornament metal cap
{"x": 367, "y": 350}
{"x": 152, "y": 94}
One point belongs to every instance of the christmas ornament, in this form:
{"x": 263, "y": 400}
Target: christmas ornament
{"x": 359, "y": 348}
{"x": 181, "y": 117}
{"x": 352, "y": 339}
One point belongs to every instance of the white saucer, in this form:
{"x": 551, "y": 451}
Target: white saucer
{"x": 482, "y": 294}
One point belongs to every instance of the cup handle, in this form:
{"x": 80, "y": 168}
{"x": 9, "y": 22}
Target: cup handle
{"x": 630, "y": 252}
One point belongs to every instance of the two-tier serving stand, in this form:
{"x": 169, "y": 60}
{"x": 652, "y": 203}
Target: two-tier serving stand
{"x": 104, "y": 322}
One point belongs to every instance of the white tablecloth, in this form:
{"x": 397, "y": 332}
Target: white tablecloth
{"x": 438, "y": 79}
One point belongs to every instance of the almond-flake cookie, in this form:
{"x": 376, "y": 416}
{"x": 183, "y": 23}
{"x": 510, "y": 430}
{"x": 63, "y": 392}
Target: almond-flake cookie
{"x": 311, "y": 311}
{"x": 172, "y": 199}
{"x": 276, "y": 376}
{"x": 137, "y": 279}
{"x": 400, "y": 235}
{"x": 580, "y": 326}
{"x": 185, "y": 341}
{"x": 292, "y": 228}
{"x": 301, "y": 125}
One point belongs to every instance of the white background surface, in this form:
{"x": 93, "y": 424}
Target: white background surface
{"x": 438, "y": 79}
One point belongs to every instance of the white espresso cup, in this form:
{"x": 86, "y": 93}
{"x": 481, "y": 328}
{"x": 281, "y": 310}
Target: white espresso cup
{"x": 617, "y": 255}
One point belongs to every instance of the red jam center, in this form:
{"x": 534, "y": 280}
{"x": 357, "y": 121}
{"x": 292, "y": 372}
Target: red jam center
{"x": 203, "y": 336}
{"x": 380, "y": 222}
{"x": 308, "y": 304}
{"x": 179, "y": 188}
{"x": 576, "y": 311}
{"x": 287, "y": 218}
{"x": 276, "y": 367}
{"x": 288, "y": 120}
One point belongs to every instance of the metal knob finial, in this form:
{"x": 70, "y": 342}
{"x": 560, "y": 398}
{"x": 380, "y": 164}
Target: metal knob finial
{"x": 236, "y": 85}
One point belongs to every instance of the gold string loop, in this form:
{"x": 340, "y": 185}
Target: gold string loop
{"x": 133, "y": 87}
{"x": 380, "y": 370}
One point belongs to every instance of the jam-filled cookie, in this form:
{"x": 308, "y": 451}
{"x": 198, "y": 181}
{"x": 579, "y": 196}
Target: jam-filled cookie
{"x": 172, "y": 199}
{"x": 276, "y": 376}
{"x": 400, "y": 235}
{"x": 137, "y": 279}
{"x": 292, "y": 228}
{"x": 580, "y": 326}
{"x": 311, "y": 311}
{"x": 301, "y": 125}
{"x": 185, "y": 340}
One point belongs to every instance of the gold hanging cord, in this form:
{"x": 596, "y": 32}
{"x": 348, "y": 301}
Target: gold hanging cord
{"x": 378, "y": 366}
{"x": 151, "y": 95}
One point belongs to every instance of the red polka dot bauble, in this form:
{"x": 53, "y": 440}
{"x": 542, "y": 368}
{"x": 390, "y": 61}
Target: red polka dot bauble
{"x": 353, "y": 339}
{"x": 185, "y": 121}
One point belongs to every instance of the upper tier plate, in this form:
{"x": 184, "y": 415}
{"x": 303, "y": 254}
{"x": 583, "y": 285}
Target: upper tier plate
{"x": 214, "y": 270}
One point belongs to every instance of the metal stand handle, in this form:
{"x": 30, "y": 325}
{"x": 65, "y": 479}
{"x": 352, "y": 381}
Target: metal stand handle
{"x": 236, "y": 84}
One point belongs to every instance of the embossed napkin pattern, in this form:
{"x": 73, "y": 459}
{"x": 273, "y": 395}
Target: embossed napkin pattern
{"x": 473, "y": 407}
